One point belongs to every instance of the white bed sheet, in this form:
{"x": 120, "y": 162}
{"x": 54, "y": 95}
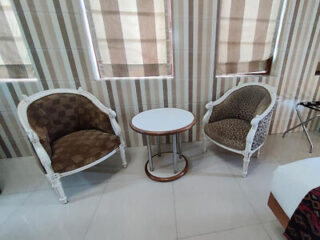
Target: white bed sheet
{"x": 291, "y": 182}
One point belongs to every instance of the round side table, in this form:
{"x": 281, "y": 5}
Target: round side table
{"x": 160, "y": 122}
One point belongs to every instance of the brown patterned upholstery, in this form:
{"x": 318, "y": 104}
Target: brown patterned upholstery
{"x": 57, "y": 117}
{"x": 54, "y": 116}
{"x": 231, "y": 132}
{"x": 229, "y": 123}
{"x": 90, "y": 117}
{"x": 244, "y": 103}
{"x": 80, "y": 148}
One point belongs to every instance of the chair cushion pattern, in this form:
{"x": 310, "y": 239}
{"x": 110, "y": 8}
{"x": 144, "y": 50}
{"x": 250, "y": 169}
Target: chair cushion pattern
{"x": 91, "y": 117}
{"x": 244, "y": 103}
{"x": 57, "y": 115}
{"x": 231, "y": 132}
{"x": 81, "y": 148}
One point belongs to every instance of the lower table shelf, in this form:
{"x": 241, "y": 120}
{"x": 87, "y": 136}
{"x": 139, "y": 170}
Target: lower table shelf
{"x": 163, "y": 167}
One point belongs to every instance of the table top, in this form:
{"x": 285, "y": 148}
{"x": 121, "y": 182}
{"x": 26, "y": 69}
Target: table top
{"x": 163, "y": 121}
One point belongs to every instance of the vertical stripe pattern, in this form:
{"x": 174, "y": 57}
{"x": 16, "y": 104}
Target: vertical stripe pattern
{"x": 130, "y": 37}
{"x": 54, "y": 31}
{"x": 246, "y": 35}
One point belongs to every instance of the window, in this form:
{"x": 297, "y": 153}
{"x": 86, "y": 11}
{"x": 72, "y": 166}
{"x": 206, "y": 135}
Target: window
{"x": 15, "y": 63}
{"x": 247, "y": 36}
{"x": 129, "y": 39}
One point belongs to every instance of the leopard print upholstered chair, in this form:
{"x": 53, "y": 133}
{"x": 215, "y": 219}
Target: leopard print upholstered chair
{"x": 69, "y": 131}
{"x": 239, "y": 121}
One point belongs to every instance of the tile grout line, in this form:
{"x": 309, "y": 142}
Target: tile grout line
{"x": 18, "y": 207}
{"x": 94, "y": 213}
{"x": 251, "y": 205}
{"x": 264, "y": 229}
{"x": 220, "y": 231}
{"x": 175, "y": 211}
{"x": 244, "y": 194}
{"x": 14, "y": 193}
{"x": 258, "y": 223}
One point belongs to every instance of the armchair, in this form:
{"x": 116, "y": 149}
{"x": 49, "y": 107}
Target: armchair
{"x": 70, "y": 131}
{"x": 239, "y": 120}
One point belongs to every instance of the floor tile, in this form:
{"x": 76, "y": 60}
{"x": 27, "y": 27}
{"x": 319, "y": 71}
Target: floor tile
{"x": 135, "y": 208}
{"x": 210, "y": 202}
{"x": 255, "y": 232}
{"x": 291, "y": 148}
{"x": 257, "y": 185}
{"x": 274, "y": 230}
{"x": 211, "y": 163}
{"x": 42, "y": 216}
{"x": 10, "y": 203}
{"x": 136, "y": 158}
{"x": 20, "y": 175}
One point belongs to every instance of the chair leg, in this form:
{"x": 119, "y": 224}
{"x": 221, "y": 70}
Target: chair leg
{"x": 123, "y": 156}
{"x": 246, "y": 161}
{"x": 204, "y": 140}
{"x": 256, "y": 154}
{"x": 57, "y": 186}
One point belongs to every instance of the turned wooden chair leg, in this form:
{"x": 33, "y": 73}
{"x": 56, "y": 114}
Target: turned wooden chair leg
{"x": 246, "y": 161}
{"x": 123, "y": 156}
{"x": 256, "y": 154}
{"x": 57, "y": 186}
{"x": 204, "y": 141}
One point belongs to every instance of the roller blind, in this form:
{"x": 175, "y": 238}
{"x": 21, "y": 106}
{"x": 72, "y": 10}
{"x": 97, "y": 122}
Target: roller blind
{"x": 14, "y": 58}
{"x": 131, "y": 38}
{"x": 247, "y": 33}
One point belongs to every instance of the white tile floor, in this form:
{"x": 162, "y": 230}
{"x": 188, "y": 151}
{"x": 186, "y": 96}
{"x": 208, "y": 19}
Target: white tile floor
{"x": 106, "y": 202}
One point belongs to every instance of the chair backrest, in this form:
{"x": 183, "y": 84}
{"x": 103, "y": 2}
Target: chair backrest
{"x": 55, "y": 115}
{"x": 59, "y": 114}
{"x": 245, "y": 103}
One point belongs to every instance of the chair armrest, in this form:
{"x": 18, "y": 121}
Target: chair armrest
{"x": 216, "y": 111}
{"x": 207, "y": 115}
{"x": 107, "y": 122}
{"x": 259, "y": 130}
{"x": 93, "y": 114}
{"x": 99, "y": 120}
{"x": 216, "y": 105}
{"x": 40, "y": 151}
{"x": 116, "y": 127}
{"x": 107, "y": 112}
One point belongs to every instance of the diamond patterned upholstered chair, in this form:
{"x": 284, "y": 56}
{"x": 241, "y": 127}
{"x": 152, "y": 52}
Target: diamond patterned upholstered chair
{"x": 239, "y": 121}
{"x": 70, "y": 131}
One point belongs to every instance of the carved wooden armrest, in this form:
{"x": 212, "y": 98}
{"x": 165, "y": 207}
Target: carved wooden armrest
{"x": 40, "y": 150}
{"x": 259, "y": 129}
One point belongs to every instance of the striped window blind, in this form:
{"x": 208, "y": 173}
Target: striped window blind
{"x": 14, "y": 59}
{"x": 247, "y": 34}
{"x": 131, "y": 38}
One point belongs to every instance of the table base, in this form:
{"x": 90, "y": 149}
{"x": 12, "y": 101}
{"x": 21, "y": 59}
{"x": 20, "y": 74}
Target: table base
{"x": 163, "y": 167}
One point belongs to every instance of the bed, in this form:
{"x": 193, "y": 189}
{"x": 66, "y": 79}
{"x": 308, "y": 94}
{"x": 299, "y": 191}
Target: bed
{"x": 291, "y": 182}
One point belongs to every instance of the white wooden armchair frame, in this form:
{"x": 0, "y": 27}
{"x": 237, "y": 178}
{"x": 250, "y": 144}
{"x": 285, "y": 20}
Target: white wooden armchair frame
{"x": 248, "y": 151}
{"x": 54, "y": 177}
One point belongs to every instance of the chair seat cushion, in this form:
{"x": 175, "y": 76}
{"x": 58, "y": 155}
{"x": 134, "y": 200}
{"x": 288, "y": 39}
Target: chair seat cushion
{"x": 230, "y": 132}
{"x": 81, "y": 148}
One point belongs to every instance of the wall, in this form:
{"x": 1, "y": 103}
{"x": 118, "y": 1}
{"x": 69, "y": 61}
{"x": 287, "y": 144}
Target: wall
{"x": 55, "y": 30}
